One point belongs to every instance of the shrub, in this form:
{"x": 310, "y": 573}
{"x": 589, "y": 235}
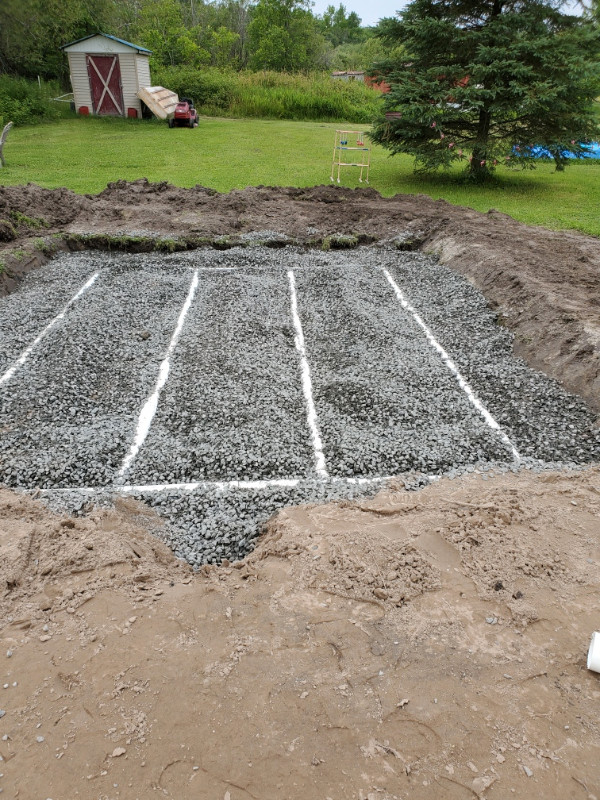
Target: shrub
{"x": 206, "y": 87}
{"x": 25, "y": 102}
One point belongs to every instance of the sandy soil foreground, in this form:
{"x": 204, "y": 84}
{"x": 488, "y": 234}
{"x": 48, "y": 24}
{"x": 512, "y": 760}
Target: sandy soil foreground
{"x": 416, "y": 645}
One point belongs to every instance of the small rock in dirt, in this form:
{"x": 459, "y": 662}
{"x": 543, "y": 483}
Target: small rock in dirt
{"x": 482, "y": 783}
{"x": 118, "y": 751}
{"x": 527, "y": 771}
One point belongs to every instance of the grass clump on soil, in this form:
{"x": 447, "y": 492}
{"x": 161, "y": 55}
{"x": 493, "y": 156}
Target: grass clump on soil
{"x": 127, "y": 244}
{"x": 131, "y": 244}
{"x": 272, "y": 95}
{"x": 28, "y": 222}
{"x": 48, "y": 246}
{"x": 224, "y": 154}
{"x": 340, "y": 241}
{"x": 7, "y": 231}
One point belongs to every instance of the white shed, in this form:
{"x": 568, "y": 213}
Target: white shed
{"x": 106, "y": 75}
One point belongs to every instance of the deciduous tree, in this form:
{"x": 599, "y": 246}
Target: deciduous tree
{"x": 283, "y": 35}
{"x": 338, "y": 27}
{"x": 32, "y": 32}
{"x": 160, "y": 27}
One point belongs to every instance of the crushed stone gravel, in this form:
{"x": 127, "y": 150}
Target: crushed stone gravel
{"x": 233, "y": 406}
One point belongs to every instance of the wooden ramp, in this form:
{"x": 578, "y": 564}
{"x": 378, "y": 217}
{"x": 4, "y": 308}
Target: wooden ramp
{"x": 159, "y": 100}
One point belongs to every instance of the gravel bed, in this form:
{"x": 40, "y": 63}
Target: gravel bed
{"x": 543, "y": 421}
{"x": 68, "y": 415}
{"x": 44, "y": 294}
{"x": 233, "y": 406}
{"x": 385, "y": 401}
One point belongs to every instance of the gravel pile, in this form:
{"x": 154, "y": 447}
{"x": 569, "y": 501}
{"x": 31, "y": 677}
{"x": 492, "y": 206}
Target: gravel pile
{"x": 233, "y": 406}
{"x": 208, "y": 526}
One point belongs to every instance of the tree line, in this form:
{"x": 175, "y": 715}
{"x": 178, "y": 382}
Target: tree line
{"x": 282, "y": 35}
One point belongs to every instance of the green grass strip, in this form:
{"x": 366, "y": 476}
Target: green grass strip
{"x": 224, "y": 154}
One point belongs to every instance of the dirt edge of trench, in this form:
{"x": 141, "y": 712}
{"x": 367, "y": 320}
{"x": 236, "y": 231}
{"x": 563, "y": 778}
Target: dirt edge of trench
{"x": 543, "y": 284}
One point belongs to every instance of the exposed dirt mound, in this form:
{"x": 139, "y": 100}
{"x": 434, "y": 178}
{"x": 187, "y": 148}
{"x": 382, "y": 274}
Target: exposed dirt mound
{"x": 47, "y": 562}
{"x": 53, "y": 207}
{"x": 413, "y": 645}
{"x": 545, "y": 283}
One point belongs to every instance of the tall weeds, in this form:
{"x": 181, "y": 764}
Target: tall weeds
{"x": 272, "y": 95}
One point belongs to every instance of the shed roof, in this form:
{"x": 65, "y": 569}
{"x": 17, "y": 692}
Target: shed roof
{"x": 137, "y": 47}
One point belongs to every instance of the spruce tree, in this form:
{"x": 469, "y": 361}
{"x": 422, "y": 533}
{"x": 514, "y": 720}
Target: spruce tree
{"x": 486, "y": 81}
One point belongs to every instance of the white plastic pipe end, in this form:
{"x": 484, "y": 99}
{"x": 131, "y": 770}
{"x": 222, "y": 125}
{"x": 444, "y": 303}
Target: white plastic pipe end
{"x": 593, "y": 660}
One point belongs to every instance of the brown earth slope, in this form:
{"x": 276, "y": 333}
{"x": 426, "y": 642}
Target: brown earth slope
{"x": 545, "y": 284}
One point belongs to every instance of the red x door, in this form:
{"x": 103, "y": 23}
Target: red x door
{"x": 105, "y": 84}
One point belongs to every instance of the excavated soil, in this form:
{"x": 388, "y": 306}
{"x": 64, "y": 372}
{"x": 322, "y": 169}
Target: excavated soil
{"x": 416, "y": 645}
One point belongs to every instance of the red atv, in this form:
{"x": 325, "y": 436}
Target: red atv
{"x": 185, "y": 114}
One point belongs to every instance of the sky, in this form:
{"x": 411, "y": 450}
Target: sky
{"x": 369, "y": 12}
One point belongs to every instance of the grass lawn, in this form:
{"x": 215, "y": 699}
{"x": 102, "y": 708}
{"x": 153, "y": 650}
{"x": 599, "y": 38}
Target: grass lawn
{"x": 85, "y": 154}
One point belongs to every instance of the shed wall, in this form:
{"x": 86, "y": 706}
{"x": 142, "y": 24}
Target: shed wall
{"x": 80, "y": 81}
{"x": 143, "y": 71}
{"x": 129, "y": 81}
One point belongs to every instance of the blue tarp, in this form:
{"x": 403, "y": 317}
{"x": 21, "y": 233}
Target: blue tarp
{"x": 591, "y": 151}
